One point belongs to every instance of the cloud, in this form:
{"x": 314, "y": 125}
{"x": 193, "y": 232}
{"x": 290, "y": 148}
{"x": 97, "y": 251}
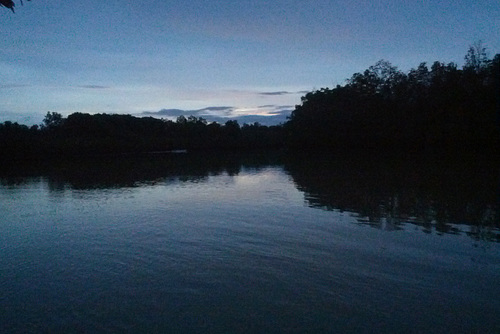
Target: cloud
{"x": 166, "y": 112}
{"x": 280, "y": 112}
{"x": 277, "y": 107}
{"x": 217, "y": 108}
{"x": 283, "y": 92}
{"x": 208, "y": 111}
{"x": 21, "y": 118}
{"x": 272, "y": 109}
{"x": 13, "y": 86}
{"x": 265, "y": 115}
{"x": 275, "y": 93}
{"x": 93, "y": 87}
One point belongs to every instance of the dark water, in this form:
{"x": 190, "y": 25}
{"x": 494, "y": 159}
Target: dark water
{"x": 191, "y": 243}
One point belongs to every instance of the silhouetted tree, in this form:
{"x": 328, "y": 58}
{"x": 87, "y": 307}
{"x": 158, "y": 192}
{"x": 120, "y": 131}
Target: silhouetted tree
{"x": 476, "y": 58}
{"x": 52, "y": 120}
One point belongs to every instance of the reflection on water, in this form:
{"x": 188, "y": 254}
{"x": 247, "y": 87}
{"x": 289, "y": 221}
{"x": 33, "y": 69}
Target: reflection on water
{"x": 125, "y": 171}
{"x": 435, "y": 193}
{"x": 441, "y": 195}
{"x": 249, "y": 243}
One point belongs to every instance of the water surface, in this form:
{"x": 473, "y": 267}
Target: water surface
{"x": 229, "y": 243}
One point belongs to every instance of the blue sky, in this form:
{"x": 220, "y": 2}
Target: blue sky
{"x": 220, "y": 59}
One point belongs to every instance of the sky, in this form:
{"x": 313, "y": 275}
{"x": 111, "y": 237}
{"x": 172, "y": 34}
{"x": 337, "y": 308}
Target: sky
{"x": 238, "y": 59}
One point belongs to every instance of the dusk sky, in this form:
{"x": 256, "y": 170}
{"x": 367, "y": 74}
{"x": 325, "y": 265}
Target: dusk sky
{"x": 221, "y": 58}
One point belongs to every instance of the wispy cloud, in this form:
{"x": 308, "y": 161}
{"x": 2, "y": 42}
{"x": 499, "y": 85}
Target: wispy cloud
{"x": 282, "y": 92}
{"x": 6, "y": 86}
{"x": 216, "y": 108}
{"x": 93, "y": 87}
{"x": 276, "y": 107}
{"x": 22, "y": 118}
{"x": 221, "y": 111}
{"x": 208, "y": 111}
{"x": 166, "y": 113}
{"x": 275, "y": 93}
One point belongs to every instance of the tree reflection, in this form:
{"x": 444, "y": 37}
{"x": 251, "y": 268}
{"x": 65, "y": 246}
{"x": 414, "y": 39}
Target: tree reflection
{"x": 130, "y": 170}
{"x": 439, "y": 194}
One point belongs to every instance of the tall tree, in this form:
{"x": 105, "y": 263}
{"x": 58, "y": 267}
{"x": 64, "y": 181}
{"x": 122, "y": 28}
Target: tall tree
{"x": 476, "y": 58}
{"x": 52, "y": 120}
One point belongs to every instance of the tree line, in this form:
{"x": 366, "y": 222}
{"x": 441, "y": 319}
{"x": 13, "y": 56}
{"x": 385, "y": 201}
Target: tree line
{"x": 441, "y": 106}
{"x": 85, "y": 134}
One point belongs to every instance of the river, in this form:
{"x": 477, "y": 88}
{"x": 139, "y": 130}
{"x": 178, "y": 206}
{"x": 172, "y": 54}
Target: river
{"x": 258, "y": 243}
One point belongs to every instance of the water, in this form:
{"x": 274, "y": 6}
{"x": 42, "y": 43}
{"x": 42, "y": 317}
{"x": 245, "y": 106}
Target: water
{"x": 190, "y": 243}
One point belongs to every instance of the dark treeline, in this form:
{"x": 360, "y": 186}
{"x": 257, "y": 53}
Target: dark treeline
{"x": 83, "y": 134}
{"x": 437, "y": 107}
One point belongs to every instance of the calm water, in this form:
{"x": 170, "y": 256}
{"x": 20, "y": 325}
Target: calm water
{"x": 251, "y": 244}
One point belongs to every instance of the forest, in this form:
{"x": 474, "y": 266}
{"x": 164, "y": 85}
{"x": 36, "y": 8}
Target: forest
{"x": 84, "y": 134}
{"x": 437, "y": 107}
{"x": 382, "y": 108}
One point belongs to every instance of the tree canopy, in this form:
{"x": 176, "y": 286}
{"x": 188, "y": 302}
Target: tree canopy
{"x": 85, "y": 134}
{"x": 436, "y": 106}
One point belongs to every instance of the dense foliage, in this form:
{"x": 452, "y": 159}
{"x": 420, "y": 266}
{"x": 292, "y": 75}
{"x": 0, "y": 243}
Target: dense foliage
{"x": 440, "y": 106}
{"x": 85, "y": 134}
